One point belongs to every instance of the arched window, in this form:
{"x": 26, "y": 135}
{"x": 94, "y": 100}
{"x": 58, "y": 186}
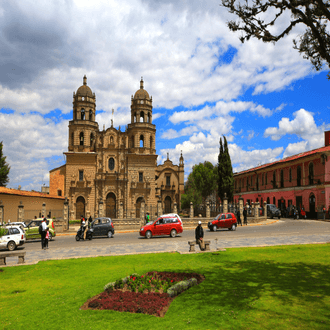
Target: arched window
{"x": 151, "y": 142}
{"x": 274, "y": 179}
{"x": 298, "y": 176}
{"x": 92, "y": 139}
{"x": 82, "y": 114}
{"x": 111, "y": 164}
{"x": 81, "y": 138}
{"x": 141, "y": 141}
{"x": 91, "y": 115}
{"x": 132, "y": 141}
{"x": 72, "y": 138}
{"x": 141, "y": 117}
{"x": 282, "y": 179}
{"x": 311, "y": 173}
{"x": 134, "y": 118}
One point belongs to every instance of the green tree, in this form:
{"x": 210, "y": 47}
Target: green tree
{"x": 225, "y": 172}
{"x": 264, "y": 21}
{"x": 4, "y": 168}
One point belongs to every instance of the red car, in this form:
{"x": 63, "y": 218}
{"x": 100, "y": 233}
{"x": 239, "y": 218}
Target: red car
{"x": 164, "y": 225}
{"x": 224, "y": 220}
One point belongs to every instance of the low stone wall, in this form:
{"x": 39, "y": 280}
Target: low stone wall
{"x": 60, "y": 226}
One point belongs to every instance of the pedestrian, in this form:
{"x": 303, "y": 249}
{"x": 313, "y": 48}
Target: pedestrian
{"x": 324, "y": 212}
{"x": 82, "y": 227}
{"x": 90, "y": 220}
{"x": 239, "y": 221}
{"x": 245, "y": 216}
{"x": 199, "y": 234}
{"x": 43, "y": 233}
{"x": 287, "y": 212}
{"x": 47, "y": 238}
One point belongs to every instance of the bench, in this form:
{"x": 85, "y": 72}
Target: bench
{"x": 19, "y": 254}
{"x": 193, "y": 243}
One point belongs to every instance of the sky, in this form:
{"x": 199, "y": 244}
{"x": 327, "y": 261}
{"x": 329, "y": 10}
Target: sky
{"x": 266, "y": 99}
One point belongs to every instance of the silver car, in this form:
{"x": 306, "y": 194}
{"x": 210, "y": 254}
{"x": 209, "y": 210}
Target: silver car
{"x": 11, "y": 237}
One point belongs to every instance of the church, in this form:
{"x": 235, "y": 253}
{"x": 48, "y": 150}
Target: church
{"x": 111, "y": 172}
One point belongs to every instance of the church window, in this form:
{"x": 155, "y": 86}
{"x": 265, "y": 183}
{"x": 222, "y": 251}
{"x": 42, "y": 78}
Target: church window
{"x": 140, "y": 177}
{"x": 81, "y": 138}
{"x": 59, "y": 192}
{"x": 72, "y": 138}
{"x": 81, "y": 175}
{"x": 168, "y": 180}
{"x": 111, "y": 164}
{"x": 151, "y": 142}
{"x": 90, "y": 115}
{"x": 82, "y": 114}
{"x": 141, "y": 141}
{"x": 141, "y": 117}
{"x": 92, "y": 138}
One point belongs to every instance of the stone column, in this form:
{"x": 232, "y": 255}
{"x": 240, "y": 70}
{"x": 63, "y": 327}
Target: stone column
{"x": 256, "y": 210}
{"x": 225, "y": 204}
{"x": 20, "y": 212}
{"x": 265, "y": 209}
{"x": 142, "y": 213}
{"x": 1, "y": 213}
{"x": 175, "y": 208}
{"x": 252, "y": 209}
{"x": 43, "y": 210}
{"x": 241, "y": 206}
{"x": 191, "y": 213}
{"x": 121, "y": 210}
{"x": 159, "y": 208}
{"x": 88, "y": 213}
{"x": 101, "y": 208}
{"x": 66, "y": 213}
{"x": 208, "y": 213}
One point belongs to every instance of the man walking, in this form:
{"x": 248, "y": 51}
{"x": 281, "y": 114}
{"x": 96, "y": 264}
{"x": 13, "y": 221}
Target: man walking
{"x": 245, "y": 216}
{"x": 43, "y": 233}
{"x": 199, "y": 234}
{"x": 239, "y": 221}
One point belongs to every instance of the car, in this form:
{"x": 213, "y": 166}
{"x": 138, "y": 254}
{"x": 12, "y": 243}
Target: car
{"x": 171, "y": 215}
{"x": 23, "y": 224}
{"x": 32, "y": 229}
{"x": 167, "y": 224}
{"x": 273, "y": 211}
{"x": 102, "y": 227}
{"x": 11, "y": 237}
{"x": 223, "y": 220}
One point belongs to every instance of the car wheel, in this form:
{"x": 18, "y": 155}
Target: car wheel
{"x": 11, "y": 246}
{"x": 77, "y": 238}
{"x": 148, "y": 234}
{"x": 109, "y": 234}
{"x": 233, "y": 227}
{"x": 90, "y": 237}
{"x": 50, "y": 238}
{"x": 215, "y": 228}
{"x": 173, "y": 233}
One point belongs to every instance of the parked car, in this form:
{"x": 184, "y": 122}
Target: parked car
{"x": 32, "y": 229}
{"x": 12, "y": 237}
{"x": 273, "y": 211}
{"x": 102, "y": 227}
{"x": 223, "y": 220}
{"x": 23, "y": 224}
{"x": 167, "y": 224}
{"x": 171, "y": 215}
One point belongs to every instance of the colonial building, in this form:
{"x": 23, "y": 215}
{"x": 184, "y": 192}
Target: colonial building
{"x": 302, "y": 180}
{"x": 113, "y": 172}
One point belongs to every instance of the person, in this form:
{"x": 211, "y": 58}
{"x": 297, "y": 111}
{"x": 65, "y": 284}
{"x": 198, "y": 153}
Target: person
{"x": 245, "y": 216}
{"x": 239, "y": 221}
{"x": 47, "y": 238}
{"x": 43, "y": 233}
{"x": 324, "y": 212}
{"x": 287, "y": 212}
{"x": 147, "y": 217}
{"x": 85, "y": 228}
{"x": 199, "y": 234}
{"x": 90, "y": 220}
{"x": 82, "y": 226}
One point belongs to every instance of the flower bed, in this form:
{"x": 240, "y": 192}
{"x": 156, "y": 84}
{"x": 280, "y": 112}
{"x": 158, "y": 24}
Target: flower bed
{"x": 150, "y": 293}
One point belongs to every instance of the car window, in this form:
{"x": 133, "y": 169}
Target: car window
{"x": 223, "y": 216}
{"x": 229, "y": 216}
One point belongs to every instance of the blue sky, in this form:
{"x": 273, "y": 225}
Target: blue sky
{"x": 266, "y": 99}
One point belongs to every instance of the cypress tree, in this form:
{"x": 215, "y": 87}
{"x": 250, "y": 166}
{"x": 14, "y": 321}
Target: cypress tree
{"x": 4, "y": 168}
{"x": 220, "y": 172}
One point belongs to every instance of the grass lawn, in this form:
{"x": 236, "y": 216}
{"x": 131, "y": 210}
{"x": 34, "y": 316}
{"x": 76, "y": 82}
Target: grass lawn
{"x": 283, "y": 287}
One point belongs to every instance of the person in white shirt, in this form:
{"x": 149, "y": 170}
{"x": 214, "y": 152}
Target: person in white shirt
{"x": 43, "y": 233}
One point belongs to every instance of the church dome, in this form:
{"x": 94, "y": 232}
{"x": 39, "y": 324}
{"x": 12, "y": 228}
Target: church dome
{"x": 141, "y": 93}
{"x": 84, "y": 90}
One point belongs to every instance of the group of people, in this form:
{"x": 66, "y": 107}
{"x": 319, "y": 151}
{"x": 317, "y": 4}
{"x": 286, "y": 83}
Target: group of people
{"x": 238, "y": 216}
{"x": 44, "y": 232}
{"x": 84, "y": 223}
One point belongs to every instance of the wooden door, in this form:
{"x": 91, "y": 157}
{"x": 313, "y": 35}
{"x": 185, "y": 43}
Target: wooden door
{"x": 110, "y": 210}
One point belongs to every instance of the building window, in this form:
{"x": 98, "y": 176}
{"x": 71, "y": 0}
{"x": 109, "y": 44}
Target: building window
{"x": 92, "y": 139}
{"x": 72, "y": 138}
{"x": 311, "y": 173}
{"x": 82, "y": 114}
{"x": 168, "y": 180}
{"x": 81, "y": 175}
{"x": 81, "y": 138}
{"x": 298, "y": 176}
{"x": 140, "y": 177}
{"x": 274, "y": 180}
{"x": 282, "y": 179}
{"x": 290, "y": 175}
{"x": 262, "y": 179}
{"x": 257, "y": 182}
{"x": 266, "y": 179}
{"x": 90, "y": 115}
{"x": 59, "y": 192}
{"x": 111, "y": 164}
{"x": 141, "y": 141}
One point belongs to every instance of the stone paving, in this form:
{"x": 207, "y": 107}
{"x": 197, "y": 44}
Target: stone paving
{"x": 33, "y": 257}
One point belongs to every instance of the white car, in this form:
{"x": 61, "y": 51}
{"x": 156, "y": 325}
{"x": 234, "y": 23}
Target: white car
{"x": 12, "y": 237}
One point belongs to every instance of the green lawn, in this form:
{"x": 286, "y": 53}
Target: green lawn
{"x": 285, "y": 287}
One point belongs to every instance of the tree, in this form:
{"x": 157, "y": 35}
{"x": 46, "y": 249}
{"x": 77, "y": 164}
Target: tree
{"x": 259, "y": 20}
{"x": 4, "y": 168}
{"x": 225, "y": 172}
{"x": 202, "y": 182}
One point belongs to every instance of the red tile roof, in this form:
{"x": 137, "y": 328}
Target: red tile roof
{"x": 9, "y": 191}
{"x": 287, "y": 159}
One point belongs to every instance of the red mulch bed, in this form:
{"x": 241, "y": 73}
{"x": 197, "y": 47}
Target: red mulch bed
{"x": 152, "y": 303}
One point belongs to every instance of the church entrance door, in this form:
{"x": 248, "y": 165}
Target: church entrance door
{"x": 80, "y": 207}
{"x": 168, "y": 203}
{"x": 110, "y": 206}
{"x": 138, "y": 207}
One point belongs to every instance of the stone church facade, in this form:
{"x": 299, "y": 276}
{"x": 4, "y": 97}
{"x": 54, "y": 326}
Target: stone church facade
{"x": 111, "y": 172}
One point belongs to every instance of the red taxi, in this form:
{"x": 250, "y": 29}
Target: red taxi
{"x": 223, "y": 220}
{"x": 164, "y": 225}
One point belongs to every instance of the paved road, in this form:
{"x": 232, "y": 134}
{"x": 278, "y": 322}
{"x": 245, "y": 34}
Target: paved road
{"x": 280, "y": 232}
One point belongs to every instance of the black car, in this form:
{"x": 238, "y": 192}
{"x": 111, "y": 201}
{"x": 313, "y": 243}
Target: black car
{"x": 102, "y": 227}
{"x": 273, "y": 211}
